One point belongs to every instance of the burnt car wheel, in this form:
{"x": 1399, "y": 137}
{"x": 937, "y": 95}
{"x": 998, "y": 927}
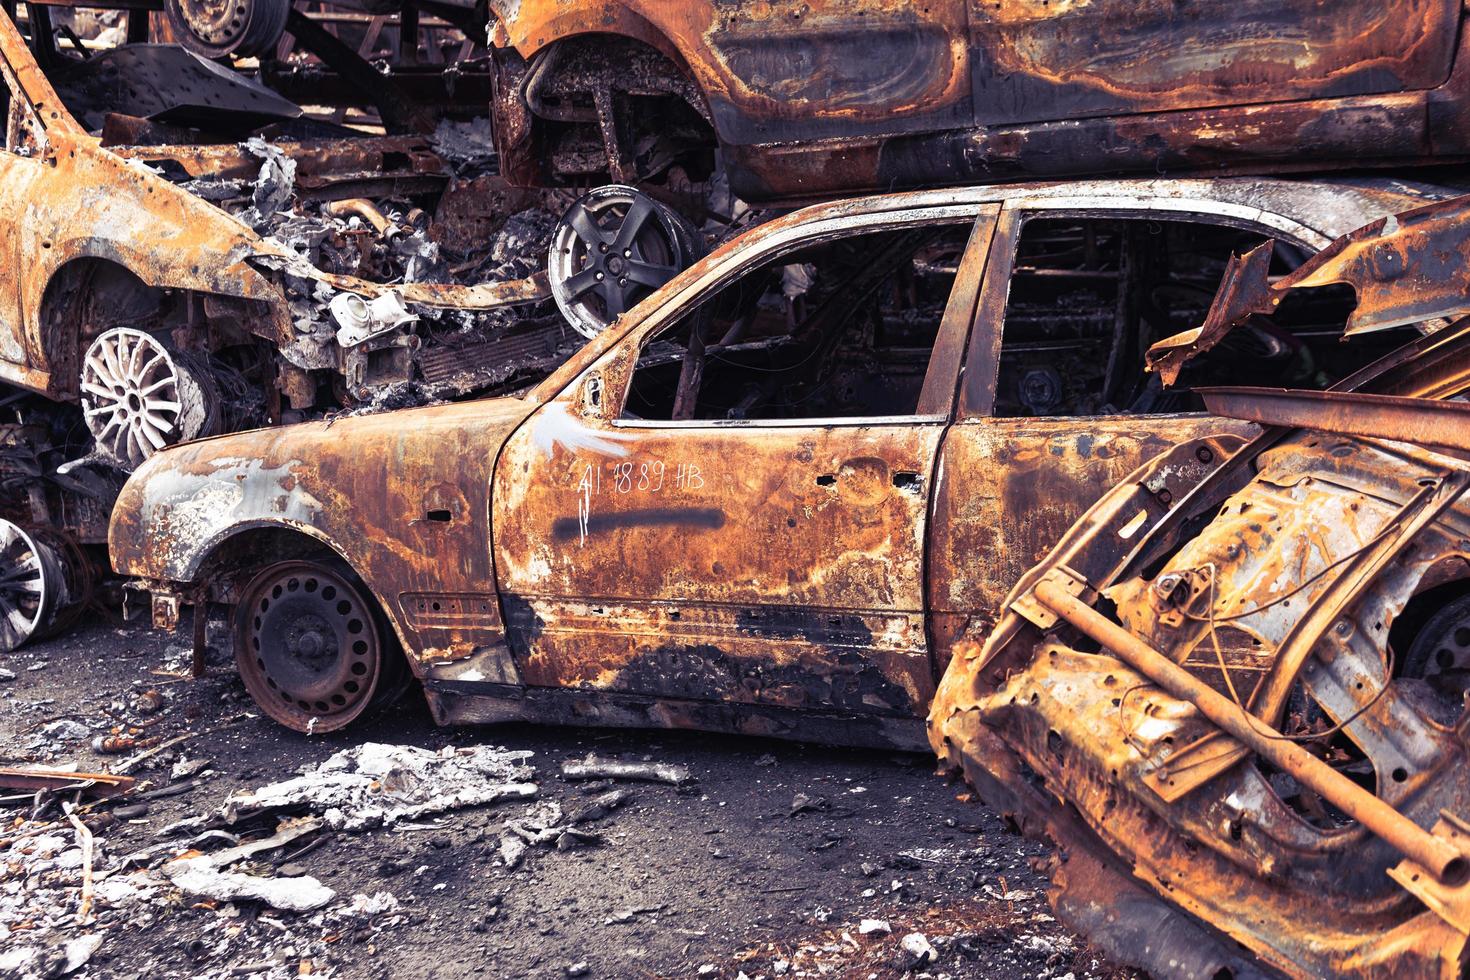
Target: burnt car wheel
{"x": 39, "y": 583}
{"x": 611, "y": 249}
{"x": 1440, "y": 654}
{"x": 312, "y": 648}
{"x": 216, "y": 28}
{"x": 138, "y": 396}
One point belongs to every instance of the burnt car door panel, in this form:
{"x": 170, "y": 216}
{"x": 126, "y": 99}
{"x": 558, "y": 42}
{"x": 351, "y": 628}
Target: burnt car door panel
{"x": 740, "y": 515}
{"x": 1038, "y": 61}
{"x": 1057, "y": 406}
{"x": 805, "y": 71}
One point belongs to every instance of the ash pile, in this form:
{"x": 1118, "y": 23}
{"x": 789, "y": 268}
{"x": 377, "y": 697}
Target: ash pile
{"x": 231, "y": 877}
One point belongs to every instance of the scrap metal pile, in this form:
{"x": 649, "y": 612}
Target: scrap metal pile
{"x": 1234, "y": 695}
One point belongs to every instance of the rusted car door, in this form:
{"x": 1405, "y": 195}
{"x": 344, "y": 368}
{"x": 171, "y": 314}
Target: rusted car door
{"x": 1044, "y": 426}
{"x": 774, "y": 564}
{"x": 795, "y": 70}
{"x": 1034, "y": 60}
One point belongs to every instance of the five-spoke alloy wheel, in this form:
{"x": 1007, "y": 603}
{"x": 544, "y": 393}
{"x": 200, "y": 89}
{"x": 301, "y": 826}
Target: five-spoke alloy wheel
{"x": 612, "y": 248}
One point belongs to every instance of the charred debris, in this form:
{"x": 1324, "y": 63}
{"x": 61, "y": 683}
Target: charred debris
{"x": 1233, "y": 695}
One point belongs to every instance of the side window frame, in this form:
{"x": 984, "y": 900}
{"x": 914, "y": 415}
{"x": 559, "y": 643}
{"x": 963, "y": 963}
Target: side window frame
{"x": 982, "y": 360}
{"x": 612, "y": 373}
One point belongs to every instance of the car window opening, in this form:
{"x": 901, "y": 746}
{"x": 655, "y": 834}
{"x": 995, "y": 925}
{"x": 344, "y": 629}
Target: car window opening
{"x": 843, "y": 329}
{"x": 1088, "y": 297}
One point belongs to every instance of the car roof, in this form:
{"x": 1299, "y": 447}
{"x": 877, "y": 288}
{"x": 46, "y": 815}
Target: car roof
{"x": 1332, "y": 206}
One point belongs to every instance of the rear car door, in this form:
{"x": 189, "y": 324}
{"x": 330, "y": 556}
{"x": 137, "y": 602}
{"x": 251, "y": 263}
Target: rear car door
{"x": 793, "y": 70}
{"x": 1056, "y": 407}
{"x": 728, "y": 512}
{"x": 1036, "y": 61}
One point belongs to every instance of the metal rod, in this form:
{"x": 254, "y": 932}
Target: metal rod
{"x": 1437, "y": 855}
{"x": 201, "y": 627}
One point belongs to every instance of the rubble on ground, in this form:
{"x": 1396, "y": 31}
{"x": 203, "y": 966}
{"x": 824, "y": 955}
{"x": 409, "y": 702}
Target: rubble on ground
{"x": 375, "y": 785}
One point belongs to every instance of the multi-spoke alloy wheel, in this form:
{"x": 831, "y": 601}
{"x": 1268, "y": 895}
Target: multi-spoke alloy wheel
{"x": 309, "y": 646}
{"x": 612, "y": 248}
{"x": 138, "y": 397}
{"x": 33, "y": 586}
{"x": 1440, "y": 653}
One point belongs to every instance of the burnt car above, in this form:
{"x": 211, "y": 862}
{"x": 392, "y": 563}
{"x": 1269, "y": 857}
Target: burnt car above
{"x": 769, "y": 499}
{"x": 188, "y": 253}
{"x": 1235, "y": 693}
{"x": 803, "y": 99}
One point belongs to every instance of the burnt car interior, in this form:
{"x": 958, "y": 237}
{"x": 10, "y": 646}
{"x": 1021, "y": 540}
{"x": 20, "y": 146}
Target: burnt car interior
{"x": 1089, "y": 296}
{"x": 840, "y": 329}
{"x": 845, "y": 329}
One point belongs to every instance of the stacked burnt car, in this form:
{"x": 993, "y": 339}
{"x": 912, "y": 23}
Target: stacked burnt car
{"x": 1235, "y": 685}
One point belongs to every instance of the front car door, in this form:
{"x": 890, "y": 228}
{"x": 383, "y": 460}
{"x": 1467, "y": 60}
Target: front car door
{"x": 1056, "y": 407}
{"x": 722, "y": 523}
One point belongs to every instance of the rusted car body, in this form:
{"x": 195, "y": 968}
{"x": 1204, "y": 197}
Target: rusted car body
{"x": 136, "y": 311}
{"x": 808, "y": 98}
{"x": 771, "y": 499}
{"x": 1234, "y": 693}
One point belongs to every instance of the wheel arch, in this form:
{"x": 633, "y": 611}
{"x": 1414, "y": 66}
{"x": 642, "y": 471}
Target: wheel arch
{"x": 231, "y": 558}
{"x": 622, "y": 25}
{"x": 536, "y": 26}
{"x": 66, "y": 313}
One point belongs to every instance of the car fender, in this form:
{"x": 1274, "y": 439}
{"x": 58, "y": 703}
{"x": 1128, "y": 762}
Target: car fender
{"x": 402, "y": 497}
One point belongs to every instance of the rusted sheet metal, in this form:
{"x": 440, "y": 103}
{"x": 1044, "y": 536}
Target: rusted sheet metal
{"x": 844, "y": 95}
{"x": 94, "y": 783}
{"x": 1407, "y": 268}
{"x": 319, "y": 163}
{"x": 1245, "y": 289}
{"x": 1011, "y": 487}
{"x": 1442, "y": 425}
{"x": 413, "y": 532}
{"x": 1446, "y": 861}
{"x": 1304, "y": 588}
{"x": 826, "y": 613}
{"x": 1247, "y": 852}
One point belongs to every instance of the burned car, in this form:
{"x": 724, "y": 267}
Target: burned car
{"x": 806, "y": 99}
{"x": 164, "y": 291}
{"x": 755, "y": 503}
{"x": 1234, "y": 694}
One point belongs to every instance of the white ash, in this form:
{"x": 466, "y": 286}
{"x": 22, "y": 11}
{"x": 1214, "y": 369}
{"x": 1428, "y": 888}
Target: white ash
{"x": 377, "y": 785}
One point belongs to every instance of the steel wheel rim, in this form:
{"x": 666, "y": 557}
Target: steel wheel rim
{"x": 1440, "y": 653}
{"x": 308, "y": 646}
{"x": 138, "y": 398}
{"x": 29, "y": 580}
{"x": 222, "y": 27}
{"x": 612, "y": 248}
